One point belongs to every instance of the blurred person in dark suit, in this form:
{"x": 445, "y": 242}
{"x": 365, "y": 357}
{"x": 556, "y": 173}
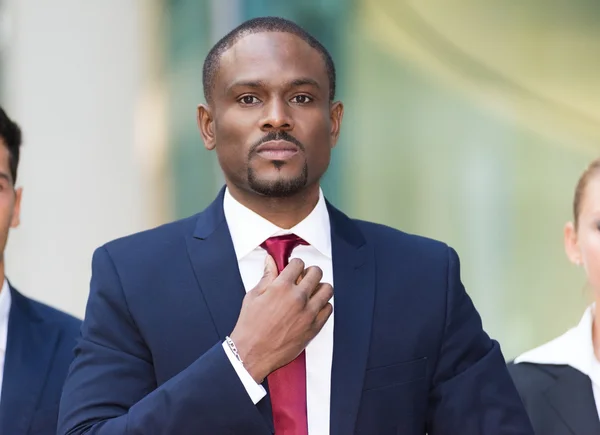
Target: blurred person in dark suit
{"x": 36, "y": 341}
{"x": 560, "y": 380}
{"x": 202, "y": 327}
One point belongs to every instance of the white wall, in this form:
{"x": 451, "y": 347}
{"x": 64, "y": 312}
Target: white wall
{"x": 73, "y": 78}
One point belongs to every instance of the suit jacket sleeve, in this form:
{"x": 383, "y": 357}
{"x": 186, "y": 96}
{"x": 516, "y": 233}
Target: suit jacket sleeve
{"x": 111, "y": 388}
{"x": 472, "y": 390}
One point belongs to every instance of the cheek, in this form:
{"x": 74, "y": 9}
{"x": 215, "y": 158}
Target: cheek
{"x": 591, "y": 254}
{"x": 231, "y": 145}
{"x": 232, "y": 129}
{"x": 320, "y": 141}
{"x": 232, "y": 161}
{"x": 320, "y": 157}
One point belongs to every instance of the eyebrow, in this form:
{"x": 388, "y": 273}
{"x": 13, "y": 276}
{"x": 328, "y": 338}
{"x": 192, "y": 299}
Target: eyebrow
{"x": 260, "y": 84}
{"x": 305, "y": 81}
{"x": 246, "y": 84}
{"x": 5, "y": 176}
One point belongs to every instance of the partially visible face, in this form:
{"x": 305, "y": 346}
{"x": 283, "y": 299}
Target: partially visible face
{"x": 270, "y": 119}
{"x": 10, "y": 199}
{"x": 585, "y": 240}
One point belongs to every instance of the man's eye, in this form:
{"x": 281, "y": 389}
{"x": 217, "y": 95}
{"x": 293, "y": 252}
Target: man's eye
{"x": 301, "y": 99}
{"x": 248, "y": 99}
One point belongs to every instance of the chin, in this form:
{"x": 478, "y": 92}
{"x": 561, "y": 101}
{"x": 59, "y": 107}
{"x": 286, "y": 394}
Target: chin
{"x": 278, "y": 188}
{"x": 278, "y": 183}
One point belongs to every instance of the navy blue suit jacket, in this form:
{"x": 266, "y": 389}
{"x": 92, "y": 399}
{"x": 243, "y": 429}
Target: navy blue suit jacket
{"x": 409, "y": 357}
{"x": 39, "y": 349}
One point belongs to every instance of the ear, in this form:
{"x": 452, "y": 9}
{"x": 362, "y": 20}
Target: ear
{"x": 206, "y": 126}
{"x": 336, "y": 114}
{"x": 572, "y": 244}
{"x": 16, "y": 216}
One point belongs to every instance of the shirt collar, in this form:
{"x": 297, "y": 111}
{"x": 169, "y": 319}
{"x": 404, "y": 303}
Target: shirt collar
{"x": 249, "y": 230}
{"x": 5, "y": 301}
{"x": 574, "y": 348}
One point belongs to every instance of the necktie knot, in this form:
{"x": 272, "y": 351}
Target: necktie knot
{"x": 281, "y": 247}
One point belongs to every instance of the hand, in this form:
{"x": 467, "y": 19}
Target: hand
{"x": 280, "y": 316}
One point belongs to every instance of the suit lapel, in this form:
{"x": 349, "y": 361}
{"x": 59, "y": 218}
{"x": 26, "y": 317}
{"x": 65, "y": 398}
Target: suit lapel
{"x": 213, "y": 258}
{"x": 572, "y": 398}
{"x": 30, "y": 347}
{"x": 354, "y": 289}
{"x": 214, "y": 262}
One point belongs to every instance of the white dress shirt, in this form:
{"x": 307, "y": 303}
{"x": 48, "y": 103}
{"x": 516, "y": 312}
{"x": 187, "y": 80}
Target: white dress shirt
{"x": 574, "y": 348}
{"x": 248, "y": 231}
{"x": 5, "y": 301}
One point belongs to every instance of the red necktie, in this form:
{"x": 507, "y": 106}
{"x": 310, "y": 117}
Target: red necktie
{"x": 287, "y": 385}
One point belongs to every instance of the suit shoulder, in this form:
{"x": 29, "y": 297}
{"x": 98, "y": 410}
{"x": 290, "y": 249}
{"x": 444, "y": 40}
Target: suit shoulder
{"x": 68, "y": 323}
{"x": 530, "y": 377}
{"x": 389, "y": 238}
{"x": 158, "y": 237}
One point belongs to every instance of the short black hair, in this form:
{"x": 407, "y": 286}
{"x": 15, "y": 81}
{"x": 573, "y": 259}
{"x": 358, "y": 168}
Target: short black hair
{"x": 10, "y": 133}
{"x": 259, "y": 25}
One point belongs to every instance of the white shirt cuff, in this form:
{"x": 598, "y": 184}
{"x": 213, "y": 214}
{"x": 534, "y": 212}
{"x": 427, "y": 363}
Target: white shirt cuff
{"x": 254, "y": 390}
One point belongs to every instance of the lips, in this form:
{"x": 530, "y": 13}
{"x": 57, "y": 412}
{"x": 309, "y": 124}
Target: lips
{"x": 277, "y": 150}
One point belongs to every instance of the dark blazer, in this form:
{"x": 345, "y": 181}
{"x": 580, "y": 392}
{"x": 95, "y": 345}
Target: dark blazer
{"x": 410, "y": 355}
{"x": 39, "y": 349}
{"x": 558, "y": 398}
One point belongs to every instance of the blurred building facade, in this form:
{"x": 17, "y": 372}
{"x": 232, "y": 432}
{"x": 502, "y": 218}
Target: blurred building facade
{"x": 466, "y": 121}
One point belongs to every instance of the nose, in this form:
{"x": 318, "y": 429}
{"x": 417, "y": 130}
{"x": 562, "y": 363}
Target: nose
{"x": 277, "y": 116}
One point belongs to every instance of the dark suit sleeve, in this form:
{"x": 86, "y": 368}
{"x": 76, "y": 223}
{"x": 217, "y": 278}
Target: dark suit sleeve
{"x": 472, "y": 390}
{"x": 111, "y": 388}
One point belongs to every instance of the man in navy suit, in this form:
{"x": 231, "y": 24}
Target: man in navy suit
{"x": 36, "y": 341}
{"x": 228, "y": 322}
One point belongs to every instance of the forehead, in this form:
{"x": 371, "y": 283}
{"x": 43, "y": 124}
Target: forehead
{"x": 591, "y": 195}
{"x": 271, "y": 57}
{"x": 4, "y": 158}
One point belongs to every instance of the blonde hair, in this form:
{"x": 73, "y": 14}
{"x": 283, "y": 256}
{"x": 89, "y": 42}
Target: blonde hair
{"x": 592, "y": 169}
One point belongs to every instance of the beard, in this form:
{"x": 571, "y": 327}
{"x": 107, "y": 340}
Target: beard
{"x": 281, "y": 188}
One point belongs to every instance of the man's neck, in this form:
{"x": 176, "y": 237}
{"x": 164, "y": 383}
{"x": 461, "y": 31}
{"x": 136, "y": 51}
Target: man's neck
{"x": 284, "y": 212}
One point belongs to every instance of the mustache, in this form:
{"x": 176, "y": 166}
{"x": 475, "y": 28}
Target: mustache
{"x": 276, "y": 135}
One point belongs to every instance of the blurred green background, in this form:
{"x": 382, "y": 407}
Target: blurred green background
{"x": 467, "y": 121}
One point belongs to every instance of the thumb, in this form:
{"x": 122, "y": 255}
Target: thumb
{"x": 270, "y": 268}
{"x": 269, "y": 275}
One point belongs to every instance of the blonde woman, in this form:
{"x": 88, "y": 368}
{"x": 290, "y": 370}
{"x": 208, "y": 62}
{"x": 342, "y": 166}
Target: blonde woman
{"x": 559, "y": 381}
